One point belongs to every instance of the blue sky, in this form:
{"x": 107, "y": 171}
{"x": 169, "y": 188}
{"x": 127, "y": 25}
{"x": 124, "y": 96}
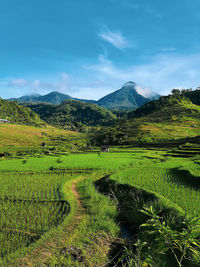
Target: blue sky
{"x": 89, "y": 48}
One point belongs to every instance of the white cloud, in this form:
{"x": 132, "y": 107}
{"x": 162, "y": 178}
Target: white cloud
{"x": 18, "y": 82}
{"x": 36, "y": 84}
{"x": 63, "y": 85}
{"x": 19, "y": 86}
{"x": 115, "y": 38}
{"x": 162, "y": 74}
{"x": 146, "y": 92}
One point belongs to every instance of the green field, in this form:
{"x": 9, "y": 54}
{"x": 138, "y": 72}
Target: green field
{"x": 73, "y": 209}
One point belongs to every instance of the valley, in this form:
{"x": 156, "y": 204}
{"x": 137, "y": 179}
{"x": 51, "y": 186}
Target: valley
{"x": 64, "y": 202}
{"x": 99, "y": 133}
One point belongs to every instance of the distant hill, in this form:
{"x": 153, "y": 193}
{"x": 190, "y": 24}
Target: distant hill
{"x": 26, "y": 98}
{"x": 126, "y": 98}
{"x": 53, "y": 98}
{"x": 169, "y": 118}
{"x": 16, "y": 113}
{"x": 72, "y": 114}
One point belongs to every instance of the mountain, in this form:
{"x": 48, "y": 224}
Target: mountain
{"x": 126, "y": 98}
{"x": 15, "y": 113}
{"x": 73, "y": 114}
{"x": 169, "y": 118}
{"x": 53, "y": 98}
{"x": 130, "y": 96}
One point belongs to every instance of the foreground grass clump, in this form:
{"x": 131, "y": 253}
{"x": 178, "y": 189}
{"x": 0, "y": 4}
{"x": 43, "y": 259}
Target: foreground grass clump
{"x": 183, "y": 243}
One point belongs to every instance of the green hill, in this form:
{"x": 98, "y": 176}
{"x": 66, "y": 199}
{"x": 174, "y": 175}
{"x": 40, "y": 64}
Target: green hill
{"x": 169, "y": 118}
{"x": 166, "y": 109}
{"x": 15, "y": 113}
{"x": 72, "y": 114}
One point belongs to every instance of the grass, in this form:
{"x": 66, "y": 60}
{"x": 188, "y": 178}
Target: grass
{"x": 159, "y": 178}
{"x": 69, "y": 162}
{"x": 29, "y": 207}
{"x": 170, "y": 122}
{"x": 138, "y": 177}
{"x": 34, "y": 196}
{"x": 95, "y": 233}
{"x": 13, "y": 135}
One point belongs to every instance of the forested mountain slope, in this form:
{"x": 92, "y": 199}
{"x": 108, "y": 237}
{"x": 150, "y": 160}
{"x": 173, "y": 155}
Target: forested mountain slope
{"x": 15, "y": 113}
{"x": 72, "y": 114}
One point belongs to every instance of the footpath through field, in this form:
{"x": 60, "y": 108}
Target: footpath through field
{"x": 56, "y": 240}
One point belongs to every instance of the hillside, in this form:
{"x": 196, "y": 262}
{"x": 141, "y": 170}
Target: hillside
{"x": 16, "y": 113}
{"x": 169, "y": 118}
{"x": 73, "y": 114}
{"x": 13, "y": 137}
{"x": 194, "y": 96}
{"x": 126, "y": 98}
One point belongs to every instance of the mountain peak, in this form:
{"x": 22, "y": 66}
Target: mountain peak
{"x": 130, "y": 83}
{"x": 54, "y": 93}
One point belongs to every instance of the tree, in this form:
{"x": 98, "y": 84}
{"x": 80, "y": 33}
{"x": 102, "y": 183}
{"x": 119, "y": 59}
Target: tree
{"x": 176, "y": 91}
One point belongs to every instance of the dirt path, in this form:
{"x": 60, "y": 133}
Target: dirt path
{"x": 46, "y": 249}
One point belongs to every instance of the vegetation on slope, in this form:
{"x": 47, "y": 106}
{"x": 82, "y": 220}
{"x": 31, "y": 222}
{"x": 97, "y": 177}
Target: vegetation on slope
{"x": 71, "y": 114}
{"x": 171, "y": 117}
{"x": 166, "y": 107}
{"x": 13, "y": 136}
{"x": 15, "y": 113}
{"x": 194, "y": 96}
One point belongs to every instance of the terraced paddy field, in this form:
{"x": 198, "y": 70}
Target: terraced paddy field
{"x": 87, "y": 209}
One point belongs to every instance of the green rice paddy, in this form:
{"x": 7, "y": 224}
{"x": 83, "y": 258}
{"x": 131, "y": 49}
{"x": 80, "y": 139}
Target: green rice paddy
{"x": 34, "y": 200}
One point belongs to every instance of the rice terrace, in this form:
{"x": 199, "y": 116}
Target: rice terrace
{"x": 85, "y": 207}
{"x": 100, "y": 133}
